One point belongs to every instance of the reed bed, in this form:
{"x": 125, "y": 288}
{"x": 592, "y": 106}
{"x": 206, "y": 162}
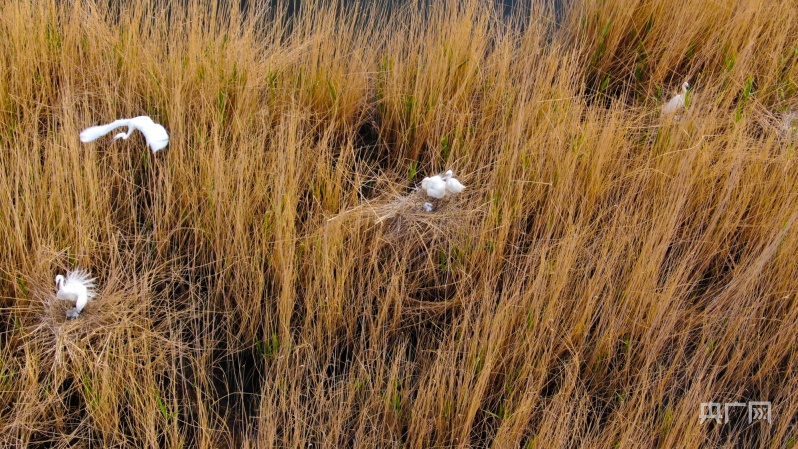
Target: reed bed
{"x": 270, "y": 279}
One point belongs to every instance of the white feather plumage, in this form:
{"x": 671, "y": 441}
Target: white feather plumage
{"x": 435, "y": 186}
{"x": 78, "y": 287}
{"x": 439, "y": 185}
{"x": 452, "y": 184}
{"x": 156, "y": 136}
{"x": 676, "y": 103}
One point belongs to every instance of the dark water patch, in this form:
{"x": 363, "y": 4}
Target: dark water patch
{"x": 237, "y": 379}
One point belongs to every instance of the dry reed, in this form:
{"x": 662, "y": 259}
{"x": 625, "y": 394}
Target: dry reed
{"x": 269, "y": 280}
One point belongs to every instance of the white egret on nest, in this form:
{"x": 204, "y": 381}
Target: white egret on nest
{"x": 676, "y": 103}
{"x": 77, "y": 287}
{"x": 439, "y": 186}
{"x": 452, "y": 184}
{"x": 155, "y": 135}
{"x": 434, "y": 186}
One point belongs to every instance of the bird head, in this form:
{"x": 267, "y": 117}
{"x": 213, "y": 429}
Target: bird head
{"x": 59, "y": 281}
{"x": 425, "y": 183}
{"x": 685, "y": 86}
{"x": 447, "y": 175}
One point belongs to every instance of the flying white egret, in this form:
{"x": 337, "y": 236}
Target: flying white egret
{"x": 452, "y": 184}
{"x": 676, "y": 103}
{"x": 155, "y": 134}
{"x": 434, "y": 186}
{"x": 77, "y": 287}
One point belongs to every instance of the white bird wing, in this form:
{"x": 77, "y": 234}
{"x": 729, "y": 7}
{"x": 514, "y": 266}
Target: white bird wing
{"x": 94, "y": 132}
{"x": 673, "y": 105}
{"x": 434, "y": 186}
{"x": 65, "y": 295}
{"x": 81, "y": 281}
{"x": 81, "y": 276}
{"x": 454, "y": 186}
{"x": 156, "y": 135}
{"x": 437, "y": 191}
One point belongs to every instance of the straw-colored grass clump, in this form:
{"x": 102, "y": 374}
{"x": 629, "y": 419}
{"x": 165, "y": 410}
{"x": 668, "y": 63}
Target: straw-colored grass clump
{"x": 270, "y": 278}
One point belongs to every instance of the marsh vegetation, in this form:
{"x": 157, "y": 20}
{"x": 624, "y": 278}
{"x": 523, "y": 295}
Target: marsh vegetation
{"x": 270, "y": 278}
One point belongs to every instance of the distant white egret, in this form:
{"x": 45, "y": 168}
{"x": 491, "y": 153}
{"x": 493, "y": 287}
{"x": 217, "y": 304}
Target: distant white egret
{"x": 77, "y": 287}
{"x": 676, "y": 103}
{"x": 155, "y": 135}
{"x": 452, "y": 184}
{"x": 434, "y": 186}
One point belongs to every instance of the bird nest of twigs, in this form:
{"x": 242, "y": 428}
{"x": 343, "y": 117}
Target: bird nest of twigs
{"x": 116, "y": 316}
{"x": 405, "y": 216}
{"x": 783, "y": 124}
{"x": 427, "y": 247}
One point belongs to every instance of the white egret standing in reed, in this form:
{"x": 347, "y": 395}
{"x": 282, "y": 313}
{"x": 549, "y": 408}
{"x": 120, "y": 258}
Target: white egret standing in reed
{"x": 77, "y": 287}
{"x": 155, "y": 135}
{"x": 676, "y": 103}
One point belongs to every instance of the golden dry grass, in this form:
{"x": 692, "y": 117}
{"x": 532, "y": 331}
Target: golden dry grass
{"x": 269, "y": 280}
